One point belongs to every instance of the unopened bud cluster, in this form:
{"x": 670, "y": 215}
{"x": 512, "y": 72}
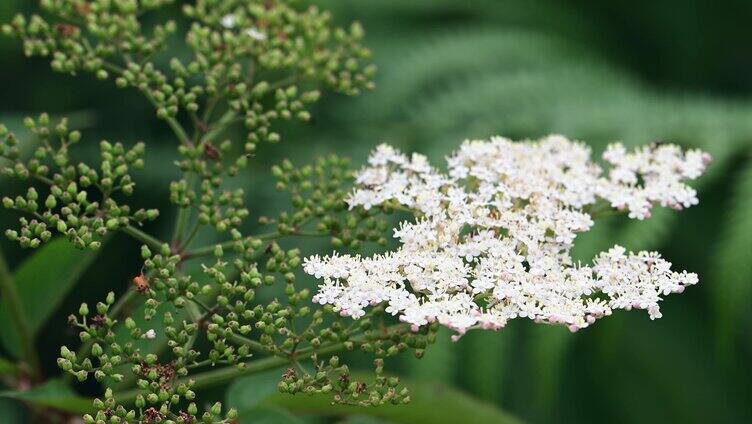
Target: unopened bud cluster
{"x": 74, "y": 199}
{"x": 252, "y": 64}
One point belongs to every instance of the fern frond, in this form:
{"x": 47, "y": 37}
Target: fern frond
{"x": 732, "y": 267}
{"x": 431, "y": 64}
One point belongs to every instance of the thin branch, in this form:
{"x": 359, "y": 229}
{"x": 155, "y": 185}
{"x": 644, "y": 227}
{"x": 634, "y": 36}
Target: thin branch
{"x": 148, "y": 240}
{"x": 219, "y": 376}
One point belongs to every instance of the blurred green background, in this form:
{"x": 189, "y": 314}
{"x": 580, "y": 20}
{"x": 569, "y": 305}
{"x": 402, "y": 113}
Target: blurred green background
{"x": 449, "y": 70}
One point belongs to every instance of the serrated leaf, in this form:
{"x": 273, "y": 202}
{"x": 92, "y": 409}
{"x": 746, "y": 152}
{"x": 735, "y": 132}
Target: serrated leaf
{"x": 43, "y": 280}
{"x": 54, "y": 394}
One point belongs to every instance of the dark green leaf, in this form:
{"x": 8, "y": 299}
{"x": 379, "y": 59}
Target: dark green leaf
{"x": 248, "y": 392}
{"x": 7, "y": 367}
{"x": 732, "y": 268}
{"x": 11, "y": 412}
{"x": 43, "y": 281}
{"x": 54, "y": 394}
{"x": 439, "y": 365}
{"x": 267, "y": 415}
{"x": 431, "y": 404}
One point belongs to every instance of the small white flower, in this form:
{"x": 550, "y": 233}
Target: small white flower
{"x": 228, "y": 21}
{"x": 151, "y": 334}
{"x": 255, "y": 34}
{"x": 499, "y": 227}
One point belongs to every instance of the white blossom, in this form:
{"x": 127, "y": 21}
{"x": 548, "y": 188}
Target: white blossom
{"x": 493, "y": 236}
{"x": 228, "y": 21}
{"x": 255, "y": 34}
{"x": 150, "y": 334}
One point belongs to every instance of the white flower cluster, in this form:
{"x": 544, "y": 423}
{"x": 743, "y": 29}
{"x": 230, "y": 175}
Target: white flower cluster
{"x": 493, "y": 237}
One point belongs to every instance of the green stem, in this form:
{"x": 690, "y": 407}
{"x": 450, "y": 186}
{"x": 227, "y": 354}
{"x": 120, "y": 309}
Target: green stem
{"x": 18, "y": 318}
{"x": 183, "y": 214}
{"x": 148, "y": 240}
{"x": 253, "y": 344}
{"x": 177, "y": 129}
{"x": 219, "y": 376}
{"x": 220, "y": 126}
{"x": 191, "y": 235}
{"x": 209, "y": 250}
{"x": 113, "y": 312}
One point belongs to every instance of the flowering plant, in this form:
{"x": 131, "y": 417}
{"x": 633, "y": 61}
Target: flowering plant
{"x": 490, "y": 240}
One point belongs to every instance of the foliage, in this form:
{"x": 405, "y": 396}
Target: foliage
{"x": 539, "y": 68}
{"x": 253, "y": 63}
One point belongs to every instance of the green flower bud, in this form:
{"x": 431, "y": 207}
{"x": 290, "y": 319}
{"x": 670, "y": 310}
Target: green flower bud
{"x": 51, "y": 202}
{"x": 216, "y": 409}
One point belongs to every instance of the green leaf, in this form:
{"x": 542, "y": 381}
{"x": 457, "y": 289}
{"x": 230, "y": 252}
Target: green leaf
{"x": 267, "y": 415}
{"x": 11, "y": 412}
{"x": 431, "y": 404}
{"x": 487, "y": 361}
{"x": 43, "y": 281}
{"x": 440, "y": 364}
{"x": 360, "y": 419}
{"x": 732, "y": 268}
{"x": 54, "y": 394}
{"x": 246, "y": 395}
{"x": 7, "y": 367}
{"x": 549, "y": 347}
{"x": 248, "y": 392}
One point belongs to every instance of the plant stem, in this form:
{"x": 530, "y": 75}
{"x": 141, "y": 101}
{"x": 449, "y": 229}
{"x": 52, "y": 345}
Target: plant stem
{"x": 112, "y": 313}
{"x": 182, "y": 219}
{"x": 177, "y": 129}
{"x": 18, "y": 318}
{"x": 220, "y": 126}
{"x": 191, "y": 235}
{"x": 148, "y": 240}
{"x": 253, "y": 344}
{"x": 209, "y": 250}
{"x": 216, "y": 377}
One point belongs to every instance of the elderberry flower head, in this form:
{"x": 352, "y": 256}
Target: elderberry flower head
{"x": 493, "y": 237}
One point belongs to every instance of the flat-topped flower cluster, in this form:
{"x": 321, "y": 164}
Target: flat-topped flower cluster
{"x": 493, "y": 237}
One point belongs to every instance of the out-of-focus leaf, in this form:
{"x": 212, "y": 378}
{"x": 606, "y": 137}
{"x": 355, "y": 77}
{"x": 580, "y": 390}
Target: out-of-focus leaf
{"x": 359, "y": 419}
{"x": 248, "y": 392}
{"x": 267, "y": 415}
{"x": 43, "y": 281}
{"x": 549, "y": 346}
{"x": 11, "y": 412}
{"x": 490, "y": 361}
{"x": 732, "y": 267}
{"x": 7, "y": 367}
{"x": 54, "y": 394}
{"x": 439, "y": 362}
{"x": 431, "y": 404}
